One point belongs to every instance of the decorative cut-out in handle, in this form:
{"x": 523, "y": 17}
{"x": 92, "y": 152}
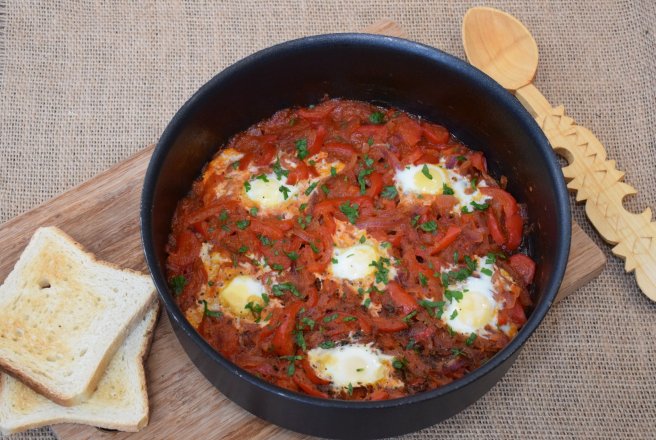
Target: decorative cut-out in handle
{"x": 597, "y": 182}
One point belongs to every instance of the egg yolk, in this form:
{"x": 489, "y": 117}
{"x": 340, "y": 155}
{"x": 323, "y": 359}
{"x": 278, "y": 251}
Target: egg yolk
{"x": 240, "y": 291}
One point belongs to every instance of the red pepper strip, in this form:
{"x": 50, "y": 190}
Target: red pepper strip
{"x": 385, "y": 325}
{"x": 430, "y": 156}
{"x": 308, "y": 388}
{"x": 409, "y": 130}
{"x": 365, "y": 325}
{"x": 379, "y": 395}
{"x": 187, "y": 247}
{"x": 311, "y": 374}
{"x": 318, "y": 140}
{"x": 283, "y": 342}
{"x": 245, "y": 161}
{"x": 375, "y": 185}
{"x": 401, "y": 297}
{"x": 478, "y": 161}
{"x": 265, "y": 155}
{"x": 450, "y": 236}
{"x": 203, "y": 229}
{"x": 301, "y": 172}
{"x": 495, "y": 230}
{"x": 515, "y": 314}
{"x": 513, "y": 221}
{"x": 435, "y": 134}
{"x": 524, "y": 266}
{"x": 267, "y": 229}
{"x": 340, "y": 149}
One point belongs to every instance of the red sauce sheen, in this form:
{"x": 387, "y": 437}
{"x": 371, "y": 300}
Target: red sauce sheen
{"x": 350, "y": 251}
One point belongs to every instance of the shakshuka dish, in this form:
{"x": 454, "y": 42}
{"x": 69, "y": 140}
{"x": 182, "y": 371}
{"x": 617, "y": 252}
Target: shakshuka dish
{"x": 349, "y": 251}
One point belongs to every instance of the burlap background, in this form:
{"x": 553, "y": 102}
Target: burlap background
{"x": 85, "y": 85}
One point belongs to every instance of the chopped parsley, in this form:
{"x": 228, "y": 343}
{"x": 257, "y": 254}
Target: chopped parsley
{"x": 361, "y": 179}
{"x": 235, "y": 165}
{"x": 407, "y": 318}
{"x": 280, "y": 289}
{"x": 422, "y": 279}
{"x": 363, "y": 239}
{"x": 300, "y": 340}
{"x": 425, "y": 172}
{"x": 242, "y": 249}
{"x": 310, "y": 188}
{"x": 377, "y": 118}
{"x": 461, "y": 158}
{"x": 385, "y": 244}
{"x": 309, "y": 322}
{"x": 247, "y": 186}
{"x": 487, "y": 271}
{"x": 243, "y": 224}
{"x": 382, "y": 272}
{"x": 302, "y": 148}
{"x": 434, "y": 308}
{"x": 389, "y": 192}
{"x": 465, "y": 210}
{"x": 291, "y": 369}
{"x": 253, "y": 211}
{"x": 263, "y": 178}
{"x": 304, "y": 221}
{"x": 479, "y": 206}
{"x": 256, "y": 310}
{"x": 177, "y": 283}
{"x": 292, "y": 255}
{"x": 327, "y": 344}
{"x": 350, "y": 389}
{"x": 210, "y": 313}
{"x": 333, "y": 171}
{"x": 470, "y": 340}
{"x": 277, "y": 267}
{"x": 265, "y": 240}
{"x": 349, "y": 318}
{"x": 454, "y": 314}
{"x": 279, "y": 170}
{"x": 330, "y": 318}
{"x": 350, "y": 211}
{"x": 370, "y": 141}
{"x": 314, "y": 248}
{"x": 452, "y": 295}
{"x": 223, "y": 216}
{"x": 457, "y": 352}
{"x": 325, "y": 189}
{"x": 429, "y": 226}
{"x": 367, "y": 303}
{"x": 415, "y": 220}
{"x": 447, "y": 190}
{"x": 399, "y": 364}
{"x": 285, "y": 191}
{"x": 302, "y": 207}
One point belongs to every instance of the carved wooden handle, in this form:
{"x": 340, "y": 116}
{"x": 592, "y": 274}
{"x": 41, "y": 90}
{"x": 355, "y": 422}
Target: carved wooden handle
{"x": 596, "y": 180}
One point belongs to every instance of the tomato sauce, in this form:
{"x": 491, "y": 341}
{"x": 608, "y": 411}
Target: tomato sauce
{"x": 432, "y": 244}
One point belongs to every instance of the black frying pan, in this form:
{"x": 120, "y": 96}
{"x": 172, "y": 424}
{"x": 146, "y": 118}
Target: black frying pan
{"x": 384, "y": 70}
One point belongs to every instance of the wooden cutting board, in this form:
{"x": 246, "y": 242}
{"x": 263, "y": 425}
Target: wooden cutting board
{"x": 103, "y": 215}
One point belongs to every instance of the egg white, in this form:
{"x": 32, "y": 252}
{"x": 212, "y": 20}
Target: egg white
{"x": 479, "y": 306}
{"x": 353, "y": 365}
{"x": 412, "y": 182}
{"x": 266, "y": 193}
{"x": 354, "y": 253}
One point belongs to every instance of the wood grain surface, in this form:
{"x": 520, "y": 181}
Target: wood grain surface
{"x": 103, "y": 215}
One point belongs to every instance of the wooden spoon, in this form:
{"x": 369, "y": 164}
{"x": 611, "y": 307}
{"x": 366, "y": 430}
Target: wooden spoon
{"x": 501, "y": 46}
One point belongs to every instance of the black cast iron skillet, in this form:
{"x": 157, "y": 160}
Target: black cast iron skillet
{"x": 415, "y": 78}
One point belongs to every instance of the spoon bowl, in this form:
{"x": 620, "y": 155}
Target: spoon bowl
{"x": 501, "y": 46}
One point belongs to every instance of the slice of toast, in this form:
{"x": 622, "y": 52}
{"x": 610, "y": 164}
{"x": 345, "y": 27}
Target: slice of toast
{"x": 120, "y": 401}
{"x": 63, "y": 315}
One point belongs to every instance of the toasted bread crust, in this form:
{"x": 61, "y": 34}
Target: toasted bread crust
{"x": 14, "y": 367}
